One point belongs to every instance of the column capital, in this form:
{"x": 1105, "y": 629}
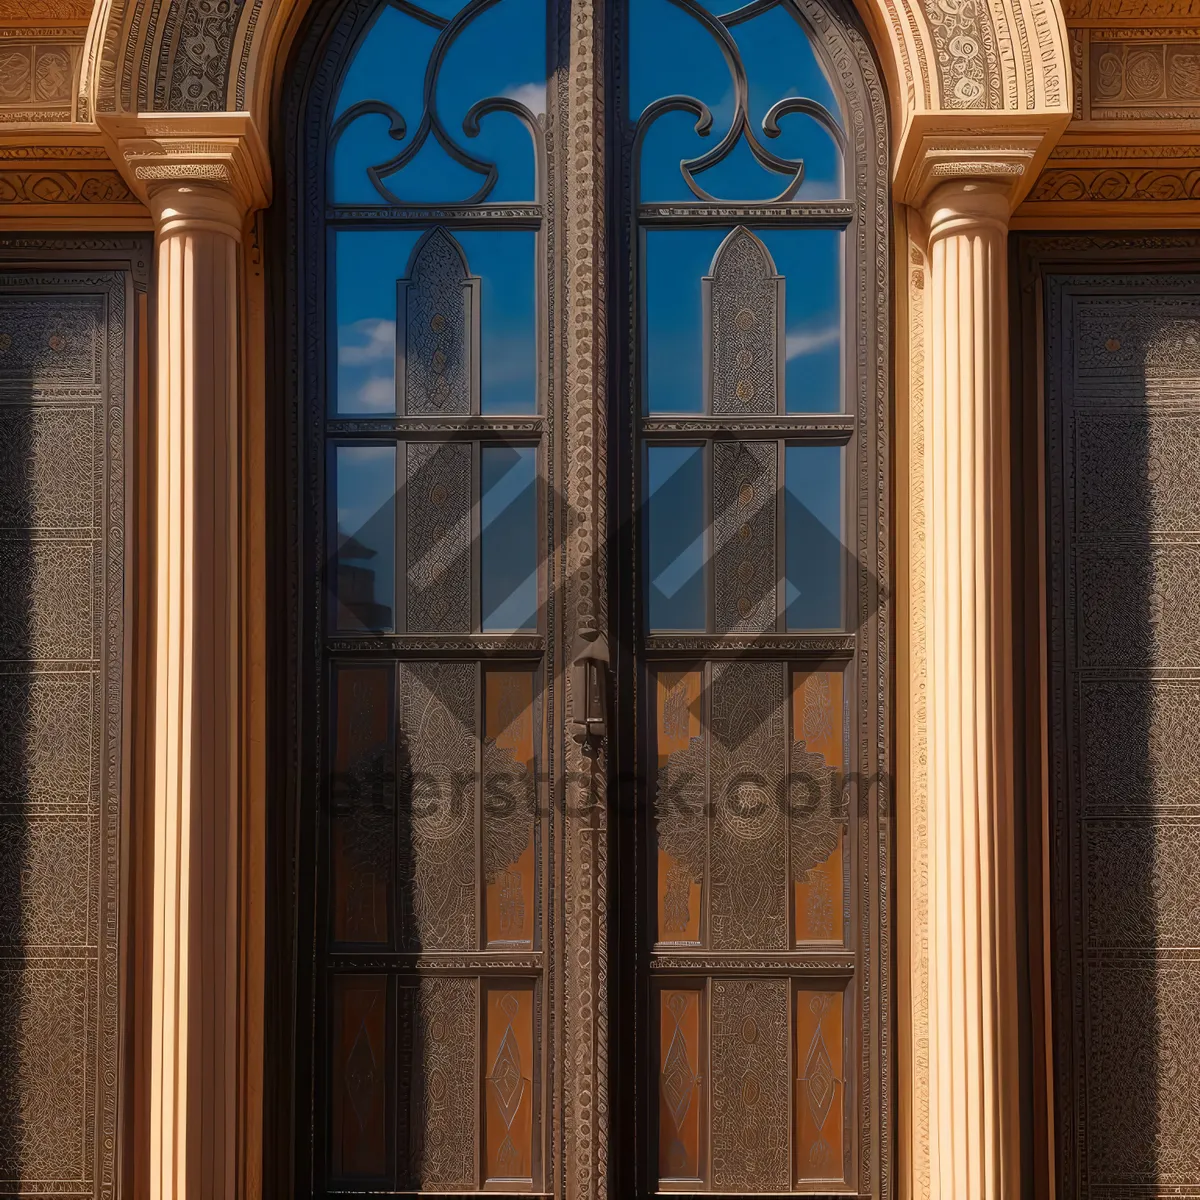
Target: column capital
{"x": 966, "y": 203}
{"x": 1004, "y": 153}
{"x": 205, "y": 169}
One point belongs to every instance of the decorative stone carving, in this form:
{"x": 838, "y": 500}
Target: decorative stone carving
{"x": 750, "y": 1102}
{"x": 62, "y": 604}
{"x": 36, "y": 75}
{"x": 437, "y": 306}
{"x": 745, "y": 493}
{"x": 744, "y": 334}
{"x": 1124, "y": 700}
{"x": 437, "y": 507}
{"x": 64, "y": 187}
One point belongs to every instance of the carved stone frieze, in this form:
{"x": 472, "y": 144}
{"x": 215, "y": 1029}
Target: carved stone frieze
{"x": 37, "y": 71}
{"x": 64, "y": 187}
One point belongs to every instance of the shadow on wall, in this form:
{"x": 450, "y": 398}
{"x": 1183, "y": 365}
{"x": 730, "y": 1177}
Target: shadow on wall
{"x": 26, "y": 761}
{"x": 1125, "y": 744}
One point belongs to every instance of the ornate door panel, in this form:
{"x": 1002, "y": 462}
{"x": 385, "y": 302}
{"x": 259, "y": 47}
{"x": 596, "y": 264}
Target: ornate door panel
{"x": 66, "y": 352}
{"x": 754, "y": 654}
{"x": 1123, "y": 509}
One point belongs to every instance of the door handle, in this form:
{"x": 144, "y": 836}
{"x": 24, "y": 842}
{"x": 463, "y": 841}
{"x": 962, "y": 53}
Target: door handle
{"x": 589, "y": 684}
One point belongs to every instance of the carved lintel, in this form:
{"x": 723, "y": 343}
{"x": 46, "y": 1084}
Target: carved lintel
{"x": 214, "y": 150}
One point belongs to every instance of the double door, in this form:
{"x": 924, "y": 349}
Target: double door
{"x": 591, "y": 645}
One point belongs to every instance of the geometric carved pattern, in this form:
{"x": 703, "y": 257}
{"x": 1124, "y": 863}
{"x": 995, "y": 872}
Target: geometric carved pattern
{"x": 1146, "y": 347}
{"x": 438, "y": 510}
{"x": 744, "y": 309}
{"x": 437, "y": 844}
{"x": 439, "y": 1038}
{"x": 438, "y": 308}
{"x": 750, "y": 1085}
{"x": 745, "y": 482}
{"x": 62, "y": 599}
{"x": 1123, "y": 494}
{"x": 747, "y": 846}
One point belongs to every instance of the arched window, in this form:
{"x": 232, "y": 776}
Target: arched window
{"x": 746, "y": 483}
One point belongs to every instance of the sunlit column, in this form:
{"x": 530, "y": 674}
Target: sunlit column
{"x": 973, "y": 1052}
{"x": 197, "y": 1014}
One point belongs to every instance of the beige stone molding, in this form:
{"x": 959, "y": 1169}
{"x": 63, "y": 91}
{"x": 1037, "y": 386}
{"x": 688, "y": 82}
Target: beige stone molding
{"x": 222, "y": 151}
{"x": 962, "y": 1033}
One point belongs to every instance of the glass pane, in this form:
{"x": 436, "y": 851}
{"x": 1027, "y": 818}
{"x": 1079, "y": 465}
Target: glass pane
{"x": 810, "y": 260}
{"x": 481, "y": 141}
{"x": 364, "y": 556}
{"x": 813, "y": 531}
{"x": 774, "y": 55}
{"x": 506, "y": 263}
{"x": 676, "y": 535}
{"x": 675, "y": 263}
{"x": 508, "y": 537}
{"x": 367, "y": 266}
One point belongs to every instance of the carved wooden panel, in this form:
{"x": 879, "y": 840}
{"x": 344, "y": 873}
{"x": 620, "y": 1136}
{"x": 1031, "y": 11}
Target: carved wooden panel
{"x": 511, "y": 733}
{"x": 438, "y": 509}
{"x": 744, "y": 333}
{"x": 438, "y": 308}
{"x": 820, "y": 1103}
{"x": 682, "y": 1068}
{"x": 437, "y": 852}
{"x": 750, "y": 1064}
{"x": 747, "y": 850}
{"x": 1123, "y": 416}
{"x": 745, "y": 493}
{"x": 64, "y": 342}
{"x": 510, "y": 1092}
{"x": 680, "y": 807}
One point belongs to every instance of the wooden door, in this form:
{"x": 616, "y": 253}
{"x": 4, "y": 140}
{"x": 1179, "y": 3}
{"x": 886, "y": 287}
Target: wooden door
{"x": 1122, "y": 443}
{"x": 751, "y": 466}
{"x": 459, "y": 929}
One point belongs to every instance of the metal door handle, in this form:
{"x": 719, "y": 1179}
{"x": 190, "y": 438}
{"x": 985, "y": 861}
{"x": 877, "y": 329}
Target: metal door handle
{"x": 589, "y": 684}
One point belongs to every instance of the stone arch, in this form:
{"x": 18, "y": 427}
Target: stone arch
{"x": 956, "y": 70}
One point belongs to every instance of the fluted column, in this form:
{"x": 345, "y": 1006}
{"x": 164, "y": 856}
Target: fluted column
{"x": 198, "y": 1011}
{"x": 973, "y": 1052}
{"x": 193, "y": 1011}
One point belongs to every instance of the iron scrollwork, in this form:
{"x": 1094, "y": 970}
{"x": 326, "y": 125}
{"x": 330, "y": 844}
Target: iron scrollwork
{"x": 431, "y": 123}
{"x": 740, "y": 126}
